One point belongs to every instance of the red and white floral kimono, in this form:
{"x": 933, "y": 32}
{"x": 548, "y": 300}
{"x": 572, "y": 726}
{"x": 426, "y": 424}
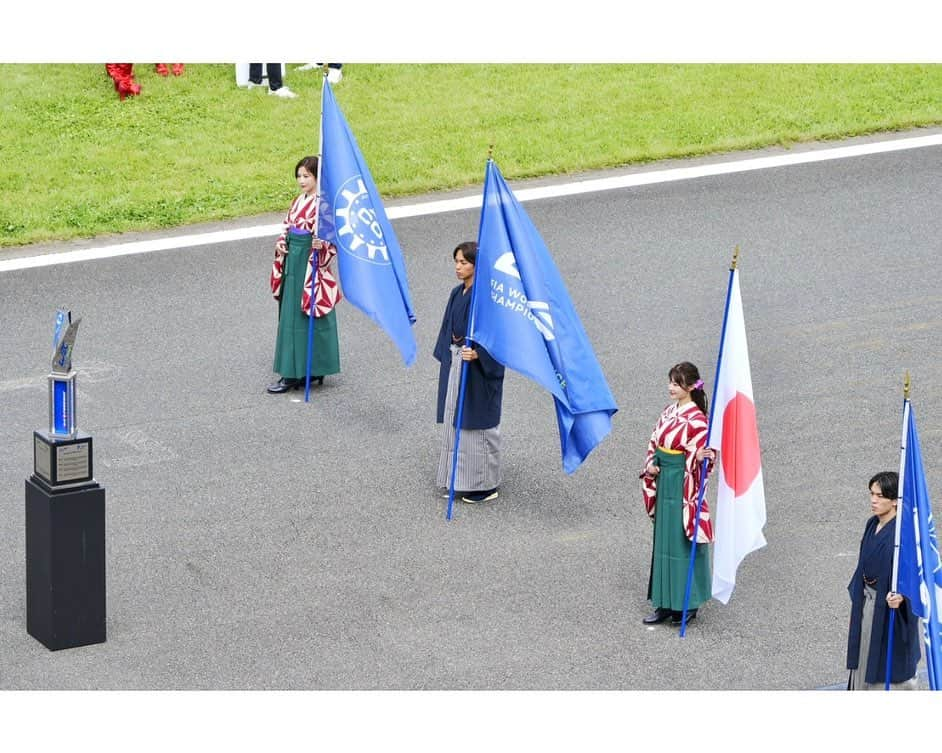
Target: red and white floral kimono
{"x": 684, "y": 428}
{"x": 303, "y": 215}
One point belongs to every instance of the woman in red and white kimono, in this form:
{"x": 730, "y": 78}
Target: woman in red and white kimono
{"x": 293, "y": 282}
{"x": 670, "y": 484}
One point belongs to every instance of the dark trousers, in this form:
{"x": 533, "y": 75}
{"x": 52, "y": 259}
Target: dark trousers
{"x": 274, "y": 74}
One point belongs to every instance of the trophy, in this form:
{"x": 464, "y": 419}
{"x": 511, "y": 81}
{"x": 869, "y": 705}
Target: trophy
{"x": 62, "y": 456}
{"x": 65, "y": 517}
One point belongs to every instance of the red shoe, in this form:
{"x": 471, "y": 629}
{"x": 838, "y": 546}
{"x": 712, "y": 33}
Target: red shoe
{"x": 123, "y": 76}
{"x": 162, "y": 70}
{"x": 177, "y": 69}
{"x": 128, "y": 87}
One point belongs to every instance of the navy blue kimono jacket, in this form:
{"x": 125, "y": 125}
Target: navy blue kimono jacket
{"x": 876, "y": 562}
{"x": 484, "y": 388}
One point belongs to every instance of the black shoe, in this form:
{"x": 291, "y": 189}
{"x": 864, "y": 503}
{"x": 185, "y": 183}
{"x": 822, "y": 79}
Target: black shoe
{"x": 318, "y": 379}
{"x": 283, "y": 385}
{"x": 656, "y": 617}
{"x": 677, "y": 617}
{"x": 473, "y": 497}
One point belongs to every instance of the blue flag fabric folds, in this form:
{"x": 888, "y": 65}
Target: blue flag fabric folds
{"x": 351, "y": 216}
{"x": 919, "y": 575}
{"x": 521, "y": 313}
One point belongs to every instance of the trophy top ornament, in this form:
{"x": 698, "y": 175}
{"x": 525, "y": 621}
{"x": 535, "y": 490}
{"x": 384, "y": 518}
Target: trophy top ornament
{"x": 65, "y": 344}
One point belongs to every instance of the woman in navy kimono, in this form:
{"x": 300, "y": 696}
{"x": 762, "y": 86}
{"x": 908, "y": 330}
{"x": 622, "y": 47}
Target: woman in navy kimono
{"x": 871, "y": 599}
{"x": 478, "y": 473}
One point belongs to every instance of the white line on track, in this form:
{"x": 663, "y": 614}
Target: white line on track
{"x": 472, "y": 202}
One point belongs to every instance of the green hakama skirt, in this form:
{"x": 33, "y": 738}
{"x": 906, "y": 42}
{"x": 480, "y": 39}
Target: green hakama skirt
{"x": 671, "y": 557}
{"x": 291, "y": 343}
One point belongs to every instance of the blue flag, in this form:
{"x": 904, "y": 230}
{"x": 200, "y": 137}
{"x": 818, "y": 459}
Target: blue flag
{"x": 351, "y": 216}
{"x": 522, "y": 314}
{"x": 919, "y": 575}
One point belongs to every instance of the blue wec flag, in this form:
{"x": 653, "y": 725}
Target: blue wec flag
{"x": 522, "y": 314}
{"x": 351, "y": 216}
{"x": 919, "y": 576}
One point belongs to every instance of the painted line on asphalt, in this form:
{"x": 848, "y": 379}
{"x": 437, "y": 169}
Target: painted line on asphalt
{"x": 474, "y": 202}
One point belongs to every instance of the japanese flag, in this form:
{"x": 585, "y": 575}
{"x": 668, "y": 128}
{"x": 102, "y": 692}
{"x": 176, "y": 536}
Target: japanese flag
{"x": 740, "y": 499}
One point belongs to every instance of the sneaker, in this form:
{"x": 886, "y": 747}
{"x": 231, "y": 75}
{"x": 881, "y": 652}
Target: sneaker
{"x": 308, "y": 67}
{"x": 284, "y": 92}
{"x": 334, "y": 75}
{"x": 475, "y": 497}
{"x": 253, "y": 85}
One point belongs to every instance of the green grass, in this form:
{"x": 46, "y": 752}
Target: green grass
{"x": 77, "y": 162}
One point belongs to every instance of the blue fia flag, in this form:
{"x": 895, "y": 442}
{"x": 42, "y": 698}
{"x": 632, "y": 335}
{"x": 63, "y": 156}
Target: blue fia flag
{"x": 522, "y": 314}
{"x": 919, "y": 576}
{"x": 351, "y": 216}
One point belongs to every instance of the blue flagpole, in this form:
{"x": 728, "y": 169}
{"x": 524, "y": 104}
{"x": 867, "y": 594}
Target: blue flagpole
{"x": 316, "y": 258}
{"x": 703, "y": 467}
{"x": 899, "y": 515}
{"x": 464, "y": 364}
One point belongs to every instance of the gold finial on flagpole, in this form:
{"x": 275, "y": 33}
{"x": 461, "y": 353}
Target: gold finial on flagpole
{"x": 490, "y": 151}
{"x": 325, "y": 69}
{"x": 906, "y": 386}
{"x": 735, "y": 261}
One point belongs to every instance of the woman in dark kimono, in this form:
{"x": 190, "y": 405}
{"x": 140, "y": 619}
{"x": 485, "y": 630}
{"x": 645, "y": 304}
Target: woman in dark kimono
{"x": 478, "y": 473}
{"x": 871, "y": 599}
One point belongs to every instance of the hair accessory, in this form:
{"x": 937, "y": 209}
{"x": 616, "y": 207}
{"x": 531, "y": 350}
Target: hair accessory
{"x": 698, "y": 385}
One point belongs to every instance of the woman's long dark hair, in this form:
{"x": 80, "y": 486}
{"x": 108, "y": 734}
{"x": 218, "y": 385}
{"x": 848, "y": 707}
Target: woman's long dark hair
{"x": 686, "y": 375}
{"x": 308, "y": 163}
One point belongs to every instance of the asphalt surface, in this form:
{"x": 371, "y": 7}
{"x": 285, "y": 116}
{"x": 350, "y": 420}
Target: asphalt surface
{"x": 257, "y": 542}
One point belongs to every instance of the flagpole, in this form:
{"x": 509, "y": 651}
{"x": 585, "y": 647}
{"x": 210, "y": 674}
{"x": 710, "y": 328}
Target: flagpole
{"x": 462, "y": 382}
{"x": 314, "y": 252}
{"x": 899, "y": 515}
{"x": 703, "y": 468}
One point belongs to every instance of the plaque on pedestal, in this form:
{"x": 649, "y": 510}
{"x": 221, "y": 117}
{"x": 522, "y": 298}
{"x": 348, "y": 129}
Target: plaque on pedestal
{"x": 62, "y": 462}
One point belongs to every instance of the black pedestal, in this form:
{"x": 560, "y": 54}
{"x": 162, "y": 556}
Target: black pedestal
{"x": 65, "y": 565}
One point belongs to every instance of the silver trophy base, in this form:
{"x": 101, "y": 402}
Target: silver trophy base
{"x": 63, "y": 462}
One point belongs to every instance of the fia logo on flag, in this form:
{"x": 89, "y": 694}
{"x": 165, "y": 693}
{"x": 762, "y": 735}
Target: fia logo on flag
{"x": 359, "y": 232}
{"x": 537, "y": 312}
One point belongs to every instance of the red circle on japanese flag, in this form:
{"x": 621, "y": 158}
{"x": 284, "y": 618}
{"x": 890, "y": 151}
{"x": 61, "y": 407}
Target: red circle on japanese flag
{"x": 739, "y": 453}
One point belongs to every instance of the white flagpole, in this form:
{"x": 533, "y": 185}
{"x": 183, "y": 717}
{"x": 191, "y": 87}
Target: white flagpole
{"x": 899, "y": 514}
{"x": 902, "y": 476}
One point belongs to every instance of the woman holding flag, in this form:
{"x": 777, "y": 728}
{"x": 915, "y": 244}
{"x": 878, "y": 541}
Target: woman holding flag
{"x": 871, "y": 593}
{"x": 670, "y": 483}
{"x": 294, "y": 281}
{"x": 478, "y": 466}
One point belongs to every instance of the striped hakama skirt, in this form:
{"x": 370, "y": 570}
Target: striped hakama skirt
{"x": 478, "y": 449}
{"x": 856, "y": 679}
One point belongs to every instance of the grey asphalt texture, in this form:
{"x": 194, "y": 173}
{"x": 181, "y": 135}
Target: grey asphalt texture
{"x": 258, "y": 542}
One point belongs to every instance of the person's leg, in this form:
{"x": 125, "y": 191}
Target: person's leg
{"x": 255, "y": 73}
{"x": 274, "y": 76}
